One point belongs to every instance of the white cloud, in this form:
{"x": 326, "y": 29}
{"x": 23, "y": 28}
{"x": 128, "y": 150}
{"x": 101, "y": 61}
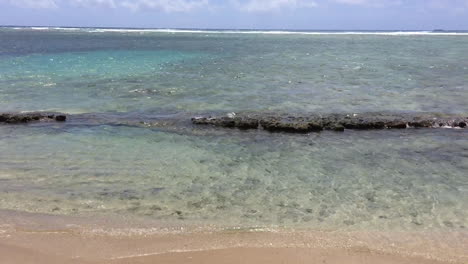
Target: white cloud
{"x": 242, "y": 5}
{"x": 94, "y": 3}
{"x": 273, "y": 5}
{"x": 373, "y": 3}
{"x": 352, "y": 2}
{"x": 31, "y": 3}
{"x": 162, "y": 5}
{"x": 165, "y": 5}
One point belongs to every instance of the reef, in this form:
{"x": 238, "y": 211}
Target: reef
{"x": 21, "y": 118}
{"x": 274, "y": 122}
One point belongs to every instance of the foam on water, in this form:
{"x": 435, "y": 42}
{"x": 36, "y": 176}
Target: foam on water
{"x": 227, "y": 31}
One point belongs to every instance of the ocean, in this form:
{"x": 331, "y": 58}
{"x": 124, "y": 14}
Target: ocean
{"x": 393, "y": 180}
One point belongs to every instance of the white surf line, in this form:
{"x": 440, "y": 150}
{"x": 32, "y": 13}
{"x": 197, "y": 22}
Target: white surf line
{"x": 175, "y": 31}
{"x": 265, "y": 32}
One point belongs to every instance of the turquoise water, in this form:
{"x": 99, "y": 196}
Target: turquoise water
{"x": 396, "y": 180}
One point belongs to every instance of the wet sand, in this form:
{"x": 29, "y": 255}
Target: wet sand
{"x": 11, "y": 254}
{"x": 34, "y": 238}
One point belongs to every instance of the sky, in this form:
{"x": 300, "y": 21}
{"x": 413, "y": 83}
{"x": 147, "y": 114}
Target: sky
{"x": 240, "y": 14}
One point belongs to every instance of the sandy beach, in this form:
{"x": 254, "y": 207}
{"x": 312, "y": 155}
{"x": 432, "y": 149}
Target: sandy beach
{"x": 13, "y": 254}
{"x": 34, "y": 238}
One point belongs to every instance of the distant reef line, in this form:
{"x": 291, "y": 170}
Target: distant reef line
{"x": 272, "y": 122}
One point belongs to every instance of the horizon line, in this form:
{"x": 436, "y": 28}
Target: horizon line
{"x": 236, "y": 29}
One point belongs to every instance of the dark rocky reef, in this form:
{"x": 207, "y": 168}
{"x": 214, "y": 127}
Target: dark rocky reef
{"x": 336, "y": 122}
{"x": 244, "y": 122}
{"x": 273, "y": 122}
{"x": 22, "y": 118}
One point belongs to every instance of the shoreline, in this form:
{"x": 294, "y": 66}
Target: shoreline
{"x": 227, "y": 256}
{"x": 39, "y": 238}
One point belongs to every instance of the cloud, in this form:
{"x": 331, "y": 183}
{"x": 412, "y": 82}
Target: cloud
{"x": 352, "y": 2}
{"x": 170, "y": 6}
{"x": 273, "y": 5}
{"x": 372, "y": 3}
{"x": 162, "y": 5}
{"x": 94, "y": 3}
{"x": 165, "y": 5}
{"x": 31, "y": 3}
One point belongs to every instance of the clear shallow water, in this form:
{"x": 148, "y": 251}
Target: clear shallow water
{"x": 397, "y": 180}
{"x": 131, "y": 71}
{"x": 380, "y": 179}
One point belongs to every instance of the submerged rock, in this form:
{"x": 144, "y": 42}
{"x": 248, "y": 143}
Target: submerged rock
{"x": 61, "y": 118}
{"x": 227, "y": 121}
{"x": 18, "y": 118}
{"x": 272, "y": 122}
{"x": 335, "y": 122}
{"x": 291, "y": 124}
